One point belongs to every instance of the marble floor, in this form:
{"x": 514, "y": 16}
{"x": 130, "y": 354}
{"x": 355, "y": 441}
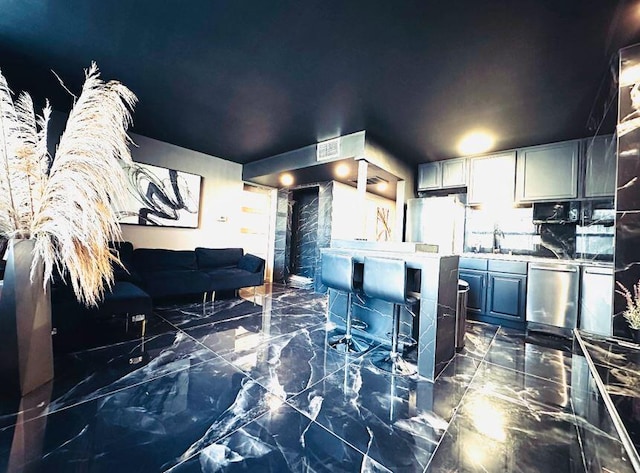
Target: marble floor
{"x": 235, "y": 386}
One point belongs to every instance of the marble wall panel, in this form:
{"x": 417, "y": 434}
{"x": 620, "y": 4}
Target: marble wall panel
{"x": 304, "y": 232}
{"x": 586, "y": 240}
{"x": 627, "y": 239}
{"x": 325, "y": 209}
{"x": 283, "y": 236}
{"x": 315, "y": 232}
{"x": 446, "y": 315}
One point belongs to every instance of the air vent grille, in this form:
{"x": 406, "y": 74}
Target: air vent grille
{"x": 329, "y": 149}
{"x": 372, "y": 180}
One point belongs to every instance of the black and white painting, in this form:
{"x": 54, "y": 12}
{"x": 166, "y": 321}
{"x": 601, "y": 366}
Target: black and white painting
{"x": 161, "y": 197}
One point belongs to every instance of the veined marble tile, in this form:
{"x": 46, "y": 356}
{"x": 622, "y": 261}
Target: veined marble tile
{"x": 478, "y": 338}
{"x": 394, "y": 420}
{"x": 281, "y": 441}
{"x": 511, "y": 349}
{"x": 90, "y": 374}
{"x": 291, "y": 363}
{"x": 185, "y": 316}
{"x": 520, "y": 388}
{"x": 247, "y": 332}
{"x": 491, "y": 434}
{"x": 148, "y": 427}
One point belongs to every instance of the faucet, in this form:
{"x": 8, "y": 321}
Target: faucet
{"x": 498, "y": 236}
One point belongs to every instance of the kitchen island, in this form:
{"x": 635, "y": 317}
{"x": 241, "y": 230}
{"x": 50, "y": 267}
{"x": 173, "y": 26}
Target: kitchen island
{"x": 431, "y": 322}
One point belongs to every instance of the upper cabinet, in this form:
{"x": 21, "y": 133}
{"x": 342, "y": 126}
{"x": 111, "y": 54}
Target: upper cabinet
{"x": 548, "y": 172}
{"x": 454, "y": 172}
{"x": 600, "y": 166}
{"x": 491, "y": 178}
{"x": 442, "y": 174}
{"x": 567, "y": 170}
{"x": 429, "y": 176}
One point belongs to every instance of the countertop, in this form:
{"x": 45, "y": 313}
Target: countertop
{"x": 538, "y": 259}
{"x": 615, "y": 366}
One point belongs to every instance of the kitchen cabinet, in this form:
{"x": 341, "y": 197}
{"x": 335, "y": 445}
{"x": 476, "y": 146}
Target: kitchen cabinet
{"x": 476, "y": 297}
{"x": 474, "y": 271}
{"x": 600, "y": 166}
{"x": 497, "y": 288}
{"x": 454, "y": 173}
{"x": 548, "y": 172}
{"x": 491, "y": 178}
{"x": 442, "y": 174}
{"x": 429, "y": 176}
{"x": 506, "y": 295}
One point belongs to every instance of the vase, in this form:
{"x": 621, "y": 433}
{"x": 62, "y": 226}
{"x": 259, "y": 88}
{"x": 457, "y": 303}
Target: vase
{"x": 26, "y": 351}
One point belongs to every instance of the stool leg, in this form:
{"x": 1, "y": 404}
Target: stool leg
{"x": 347, "y": 334}
{"x": 395, "y": 331}
{"x": 347, "y": 343}
{"x": 393, "y": 362}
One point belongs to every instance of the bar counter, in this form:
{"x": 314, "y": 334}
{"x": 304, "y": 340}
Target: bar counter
{"x": 432, "y": 279}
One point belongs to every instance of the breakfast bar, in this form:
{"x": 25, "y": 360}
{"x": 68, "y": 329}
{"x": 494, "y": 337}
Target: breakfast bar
{"x": 430, "y": 322}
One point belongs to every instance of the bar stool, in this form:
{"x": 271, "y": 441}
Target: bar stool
{"x": 386, "y": 279}
{"x": 338, "y": 272}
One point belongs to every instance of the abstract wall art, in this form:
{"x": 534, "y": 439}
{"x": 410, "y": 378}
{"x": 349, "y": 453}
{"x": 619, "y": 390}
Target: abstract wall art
{"x": 383, "y": 224}
{"x": 161, "y": 197}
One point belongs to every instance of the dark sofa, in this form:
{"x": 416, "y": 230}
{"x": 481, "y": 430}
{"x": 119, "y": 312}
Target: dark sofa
{"x": 167, "y": 273}
{"x": 149, "y": 275}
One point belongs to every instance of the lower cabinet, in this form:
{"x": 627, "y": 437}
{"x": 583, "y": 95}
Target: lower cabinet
{"x": 477, "y": 295}
{"x": 497, "y": 289}
{"x": 506, "y": 296}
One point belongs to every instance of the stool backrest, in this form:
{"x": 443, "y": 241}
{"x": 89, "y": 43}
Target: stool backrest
{"x": 385, "y": 279}
{"x": 337, "y": 271}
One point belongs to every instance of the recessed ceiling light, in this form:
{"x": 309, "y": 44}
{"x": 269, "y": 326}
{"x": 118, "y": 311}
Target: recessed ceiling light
{"x": 476, "y": 142}
{"x": 286, "y": 179}
{"x": 342, "y": 170}
{"x": 382, "y": 186}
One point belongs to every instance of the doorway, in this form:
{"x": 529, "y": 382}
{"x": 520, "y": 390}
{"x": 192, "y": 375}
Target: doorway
{"x": 304, "y": 235}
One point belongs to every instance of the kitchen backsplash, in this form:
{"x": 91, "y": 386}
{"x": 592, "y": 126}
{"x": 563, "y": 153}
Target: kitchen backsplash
{"x": 514, "y": 232}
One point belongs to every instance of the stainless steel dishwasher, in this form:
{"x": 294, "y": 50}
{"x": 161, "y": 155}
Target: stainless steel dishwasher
{"x": 552, "y": 297}
{"x": 596, "y": 314}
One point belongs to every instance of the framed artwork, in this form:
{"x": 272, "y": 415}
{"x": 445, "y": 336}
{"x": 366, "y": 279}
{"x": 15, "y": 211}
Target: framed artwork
{"x": 383, "y": 228}
{"x": 161, "y": 197}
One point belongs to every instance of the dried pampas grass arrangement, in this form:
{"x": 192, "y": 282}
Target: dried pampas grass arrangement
{"x": 66, "y": 204}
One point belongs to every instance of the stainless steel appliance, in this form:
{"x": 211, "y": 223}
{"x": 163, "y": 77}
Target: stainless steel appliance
{"x": 552, "y": 297}
{"x": 437, "y": 220}
{"x": 556, "y": 212}
{"x": 595, "y": 304}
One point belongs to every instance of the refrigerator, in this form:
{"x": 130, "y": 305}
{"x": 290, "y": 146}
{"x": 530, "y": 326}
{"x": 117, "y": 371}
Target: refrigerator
{"x": 437, "y": 220}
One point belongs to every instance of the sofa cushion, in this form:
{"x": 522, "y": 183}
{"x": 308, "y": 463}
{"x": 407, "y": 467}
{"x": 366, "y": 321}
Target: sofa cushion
{"x": 152, "y": 259}
{"x": 124, "y": 249}
{"x": 125, "y": 298}
{"x": 251, "y": 263}
{"x": 233, "y": 278}
{"x": 175, "y": 283}
{"x": 212, "y": 258}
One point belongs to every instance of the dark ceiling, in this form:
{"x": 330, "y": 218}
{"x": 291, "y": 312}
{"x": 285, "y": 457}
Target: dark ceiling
{"x": 244, "y": 80}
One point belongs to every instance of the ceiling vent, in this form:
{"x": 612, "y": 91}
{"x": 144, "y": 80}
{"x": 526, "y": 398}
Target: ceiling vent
{"x": 372, "y": 180}
{"x": 329, "y": 149}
